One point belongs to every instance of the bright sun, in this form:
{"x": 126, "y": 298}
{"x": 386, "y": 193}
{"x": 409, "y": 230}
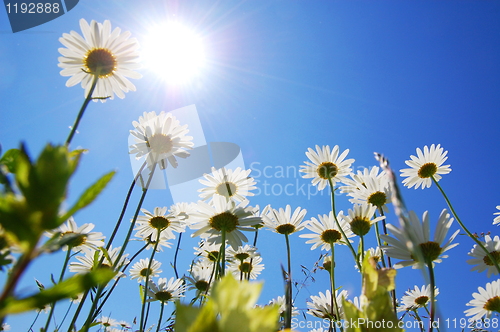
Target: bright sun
{"x": 174, "y": 52}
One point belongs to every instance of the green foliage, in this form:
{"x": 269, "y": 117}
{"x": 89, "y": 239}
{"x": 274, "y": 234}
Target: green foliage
{"x": 69, "y": 288}
{"x": 375, "y": 301}
{"x": 230, "y": 308}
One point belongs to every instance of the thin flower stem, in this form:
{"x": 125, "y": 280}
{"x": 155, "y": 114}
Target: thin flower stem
{"x": 340, "y": 227}
{"x": 333, "y": 303}
{"x": 82, "y": 110}
{"x": 420, "y": 322}
{"x": 288, "y": 315}
{"x": 223, "y": 253}
{"x": 433, "y": 295}
{"x": 427, "y": 310}
{"x": 161, "y": 316}
{"x": 61, "y": 276}
{"x": 479, "y": 243}
{"x": 142, "y": 325}
{"x": 125, "y": 204}
{"x": 175, "y": 255}
{"x": 77, "y": 312}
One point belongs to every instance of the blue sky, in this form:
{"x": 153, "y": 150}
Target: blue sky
{"x": 280, "y": 77}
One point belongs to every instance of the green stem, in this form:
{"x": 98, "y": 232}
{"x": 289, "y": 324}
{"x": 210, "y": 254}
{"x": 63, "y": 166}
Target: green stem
{"x": 161, "y": 316}
{"x": 77, "y": 312}
{"x": 223, "y": 253}
{"x": 420, "y": 322}
{"x": 479, "y": 243}
{"x": 288, "y": 297}
{"x": 82, "y": 110}
{"x": 175, "y": 255}
{"x": 348, "y": 243}
{"x": 142, "y": 325}
{"x": 333, "y": 303}
{"x": 433, "y": 295}
{"x": 61, "y": 276}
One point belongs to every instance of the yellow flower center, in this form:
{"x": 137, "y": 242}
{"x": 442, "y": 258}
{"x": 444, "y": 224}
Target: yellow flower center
{"x": 226, "y": 189}
{"x": 78, "y": 240}
{"x": 224, "y": 221}
{"x": 496, "y": 256}
{"x": 159, "y": 222}
{"x": 377, "y": 199}
{"x": 493, "y": 304}
{"x": 160, "y": 143}
{"x": 241, "y": 256}
{"x": 163, "y": 296}
{"x": 202, "y": 285}
{"x": 421, "y": 300}
{"x": 430, "y": 251}
{"x": 427, "y": 170}
{"x": 327, "y": 170}
{"x": 360, "y": 226}
{"x": 285, "y": 229}
{"x": 331, "y": 236}
{"x": 100, "y": 62}
{"x": 146, "y": 272}
{"x": 245, "y": 267}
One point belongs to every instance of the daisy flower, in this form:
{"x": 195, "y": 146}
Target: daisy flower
{"x": 281, "y": 302}
{"x": 5, "y": 327}
{"x": 283, "y": 221}
{"x": 375, "y": 253}
{"x": 222, "y": 215}
{"x": 326, "y": 231}
{"x": 417, "y": 298}
{"x": 140, "y": 269}
{"x": 484, "y": 302}
{"x": 201, "y": 277}
{"x": 425, "y": 166}
{"x": 166, "y": 290}
{"x": 249, "y": 268}
{"x": 481, "y": 260}
{"x": 326, "y": 165}
{"x": 321, "y": 306}
{"x": 242, "y": 253}
{"x": 108, "y": 55}
{"x": 496, "y": 220}
{"x": 417, "y": 234}
{"x": 360, "y": 218}
{"x": 158, "y": 222}
{"x": 231, "y": 184}
{"x": 160, "y": 139}
{"x": 368, "y": 186}
{"x": 86, "y": 262}
{"x": 107, "y": 321}
{"x": 208, "y": 251}
{"x": 81, "y": 236}
{"x": 182, "y": 211}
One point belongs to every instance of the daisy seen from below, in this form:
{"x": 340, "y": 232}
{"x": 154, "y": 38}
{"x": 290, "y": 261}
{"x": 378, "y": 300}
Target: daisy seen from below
{"x": 496, "y": 220}
{"x": 326, "y": 232}
{"x": 282, "y": 221}
{"x": 321, "y": 305}
{"x": 201, "y": 274}
{"x": 182, "y": 211}
{"x": 160, "y": 139}
{"x": 109, "y": 57}
{"x": 150, "y": 225}
{"x": 86, "y": 262}
{"x": 107, "y": 322}
{"x": 81, "y": 236}
{"x": 248, "y": 269}
{"x": 231, "y": 184}
{"x": 416, "y": 234}
{"x": 427, "y": 165}
{"x": 481, "y": 260}
{"x": 360, "y": 219}
{"x": 375, "y": 254}
{"x": 242, "y": 253}
{"x": 141, "y": 269}
{"x": 222, "y": 218}
{"x": 485, "y": 302}
{"x": 165, "y": 290}
{"x": 368, "y": 186}
{"x": 326, "y": 165}
{"x": 208, "y": 251}
{"x": 416, "y": 298}
{"x": 280, "y": 300}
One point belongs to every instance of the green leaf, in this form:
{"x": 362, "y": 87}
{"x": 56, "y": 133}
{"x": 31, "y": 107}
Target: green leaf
{"x": 9, "y": 159}
{"x": 69, "y": 288}
{"x": 194, "y": 319}
{"x": 89, "y": 195}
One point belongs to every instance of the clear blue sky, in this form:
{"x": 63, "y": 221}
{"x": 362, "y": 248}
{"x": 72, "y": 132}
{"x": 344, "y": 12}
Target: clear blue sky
{"x": 282, "y": 76}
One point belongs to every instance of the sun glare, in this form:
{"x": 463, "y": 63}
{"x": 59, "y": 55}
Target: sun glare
{"x": 174, "y": 52}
